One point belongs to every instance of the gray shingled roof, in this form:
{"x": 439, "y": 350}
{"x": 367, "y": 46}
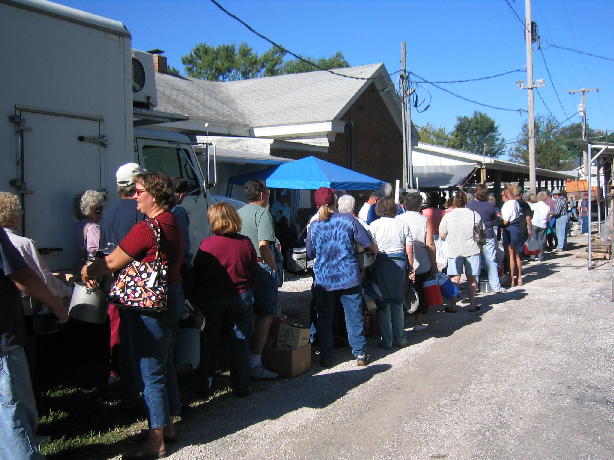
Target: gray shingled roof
{"x": 269, "y": 101}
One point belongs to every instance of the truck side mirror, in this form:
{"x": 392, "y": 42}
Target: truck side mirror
{"x": 210, "y": 166}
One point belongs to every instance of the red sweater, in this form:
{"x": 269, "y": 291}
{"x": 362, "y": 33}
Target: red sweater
{"x": 139, "y": 244}
{"x": 224, "y": 266}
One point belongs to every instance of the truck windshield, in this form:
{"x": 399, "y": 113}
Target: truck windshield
{"x": 173, "y": 161}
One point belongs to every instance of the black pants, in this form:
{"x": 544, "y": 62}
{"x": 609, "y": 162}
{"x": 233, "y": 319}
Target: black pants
{"x": 230, "y": 318}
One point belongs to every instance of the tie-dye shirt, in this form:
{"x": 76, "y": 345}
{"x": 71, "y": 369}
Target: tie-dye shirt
{"x": 333, "y": 245}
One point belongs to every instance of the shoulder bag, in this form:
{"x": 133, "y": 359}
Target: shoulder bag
{"x": 479, "y": 236}
{"x": 142, "y": 286}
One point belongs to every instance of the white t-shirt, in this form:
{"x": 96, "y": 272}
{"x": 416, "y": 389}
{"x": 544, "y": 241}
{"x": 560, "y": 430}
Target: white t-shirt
{"x": 391, "y": 235}
{"x": 541, "y": 212}
{"x": 417, "y": 227}
{"x": 364, "y": 212}
{"x": 458, "y": 228}
{"x": 510, "y": 210}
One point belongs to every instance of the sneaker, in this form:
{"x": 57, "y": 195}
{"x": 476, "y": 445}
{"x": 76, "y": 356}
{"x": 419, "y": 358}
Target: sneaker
{"x": 500, "y": 290}
{"x": 113, "y": 380}
{"x": 262, "y": 373}
{"x": 419, "y": 327}
{"x": 362, "y": 360}
{"x": 474, "y": 308}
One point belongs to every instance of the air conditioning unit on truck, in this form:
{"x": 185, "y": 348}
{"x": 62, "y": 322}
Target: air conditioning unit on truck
{"x": 69, "y": 101}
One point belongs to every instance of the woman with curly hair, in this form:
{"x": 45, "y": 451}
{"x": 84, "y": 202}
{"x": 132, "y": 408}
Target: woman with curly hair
{"x": 89, "y": 212}
{"x": 152, "y": 336}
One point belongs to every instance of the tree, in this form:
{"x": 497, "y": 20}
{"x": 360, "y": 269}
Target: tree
{"x": 554, "y": 149}
{"x": 226, "y": 62}
{"x": 472, "y": 133}
{"x": 336, "y": 61}
{"x": 430, "y": 134}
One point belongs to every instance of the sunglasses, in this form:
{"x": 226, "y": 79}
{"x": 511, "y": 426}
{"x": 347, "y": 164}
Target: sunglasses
{"x": 98, "y": 210}
{"x": 138, "y": 191}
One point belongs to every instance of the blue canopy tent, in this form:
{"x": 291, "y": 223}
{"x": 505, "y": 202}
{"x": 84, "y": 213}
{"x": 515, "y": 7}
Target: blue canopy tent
{"x": 308, "y": 173}
{"x": 311, "y": 173}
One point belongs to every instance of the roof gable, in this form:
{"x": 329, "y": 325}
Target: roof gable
{"x": 274, "y": 101}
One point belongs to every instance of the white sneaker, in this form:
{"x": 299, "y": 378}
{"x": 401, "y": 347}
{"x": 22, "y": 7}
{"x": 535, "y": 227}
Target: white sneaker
{"x": 262, "y": 373}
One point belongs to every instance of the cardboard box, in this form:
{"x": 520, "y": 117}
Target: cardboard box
{"x": 288, "y": 363}
{"x": 292, "y": 336}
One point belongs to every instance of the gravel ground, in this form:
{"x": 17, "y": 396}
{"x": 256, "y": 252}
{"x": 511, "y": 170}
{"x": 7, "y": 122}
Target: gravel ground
{"x": 528, "y": 376}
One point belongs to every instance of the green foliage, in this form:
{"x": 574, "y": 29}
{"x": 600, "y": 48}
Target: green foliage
{"x": 556, "y": 148}
{"x": 472, "y": 133}
{"x": 336, "y": 61}
{"x": 430, "y": 134}
{"x": 173, "y": 71}
{"x": 226, "y": 62}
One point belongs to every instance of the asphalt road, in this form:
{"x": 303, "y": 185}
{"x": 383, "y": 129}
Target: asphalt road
{"x": 531, "y": 375}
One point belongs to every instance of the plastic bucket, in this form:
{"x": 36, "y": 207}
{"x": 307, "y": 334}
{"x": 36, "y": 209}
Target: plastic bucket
{"x": 485, "y": 286}
{"x": 88, "y": 305}
{"x": 448, "y": 289}
{"x": 187, "y": 348}
{"x": 432, "y": 294}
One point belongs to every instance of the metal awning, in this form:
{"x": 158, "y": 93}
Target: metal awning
{"x": 442, "y": 176}
{"x": 236, "y": 156}
{"x": 144, "y": 117}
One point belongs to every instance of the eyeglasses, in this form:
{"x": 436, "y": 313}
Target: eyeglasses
{"x": 138, "y": 191}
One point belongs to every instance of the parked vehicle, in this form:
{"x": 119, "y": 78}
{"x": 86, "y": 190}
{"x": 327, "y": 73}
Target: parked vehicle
{"x": 72, "y": 93}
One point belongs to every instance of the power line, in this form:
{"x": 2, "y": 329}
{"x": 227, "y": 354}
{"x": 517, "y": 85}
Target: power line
{"x": 552, "y": 45}
{"x": 544, "y": 102}
{"x": 424, "y": 80}
{"x": 285, "y": 50}
{"x": 475, "y": 79}
{"x": 515, "y": 14}
{"x": 551, "y": 81}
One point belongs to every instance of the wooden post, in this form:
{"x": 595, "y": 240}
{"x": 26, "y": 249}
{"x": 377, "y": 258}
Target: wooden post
{"x": 497, "y": 187}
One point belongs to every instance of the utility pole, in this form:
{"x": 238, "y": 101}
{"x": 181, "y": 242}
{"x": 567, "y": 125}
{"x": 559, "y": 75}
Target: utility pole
{"x": 530, "y": 38}
{"x": 404, "y": 111}
{"x": 408, "y": 168}
{"x": 582, "y": 106}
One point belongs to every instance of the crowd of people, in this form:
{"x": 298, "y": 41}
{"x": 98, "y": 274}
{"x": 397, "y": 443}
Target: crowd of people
{"x": 233, "y": 278}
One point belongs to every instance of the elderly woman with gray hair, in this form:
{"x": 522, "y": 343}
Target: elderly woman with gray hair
{"x": 90, "y": 210}
{"x": 10, "y": 217}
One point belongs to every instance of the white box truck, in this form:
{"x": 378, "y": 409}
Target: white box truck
{"x": 71, "y": 92}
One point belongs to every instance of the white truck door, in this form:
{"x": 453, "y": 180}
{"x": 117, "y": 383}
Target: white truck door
{"x": 56, "y": 167}
{"x": 175, "y": 161}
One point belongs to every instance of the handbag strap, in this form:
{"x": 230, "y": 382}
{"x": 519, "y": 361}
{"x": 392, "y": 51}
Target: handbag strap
{"x": 155, "y": 228}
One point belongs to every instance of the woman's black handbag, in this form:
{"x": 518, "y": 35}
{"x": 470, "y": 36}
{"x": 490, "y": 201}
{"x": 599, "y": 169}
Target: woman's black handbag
{"x": 479, "y": 236}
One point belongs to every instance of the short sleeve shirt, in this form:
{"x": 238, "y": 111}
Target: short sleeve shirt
{"x": 139, "y": 244}
{"x": 510, "y": 210}
{"x": 257, "y": 225}
{"x": 333, "y": 245}
{"x": 391, "y": 235}
{"x": 12, "y": 324}
{"x": 458, "y": 227}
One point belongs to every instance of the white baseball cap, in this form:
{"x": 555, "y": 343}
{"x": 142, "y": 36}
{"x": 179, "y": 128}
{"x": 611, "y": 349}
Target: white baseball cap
{"x": 125, "y": 174}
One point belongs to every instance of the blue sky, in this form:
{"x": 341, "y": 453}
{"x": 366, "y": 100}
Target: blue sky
{"x": 446, "y": 40}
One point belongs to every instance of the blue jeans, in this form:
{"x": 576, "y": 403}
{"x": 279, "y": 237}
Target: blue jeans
{"x": 584, "y": 224}
{"x": 489, "y": 258}
{"x": 391, "y": 320}
{"x": 265, "y": 290}
{"x": 228, "y": 317}
{"x": 18, "y": 415}
{"x": 351, "y": 299}
{"x": 561, "y": 231}
{"x": 152, "y": 339}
